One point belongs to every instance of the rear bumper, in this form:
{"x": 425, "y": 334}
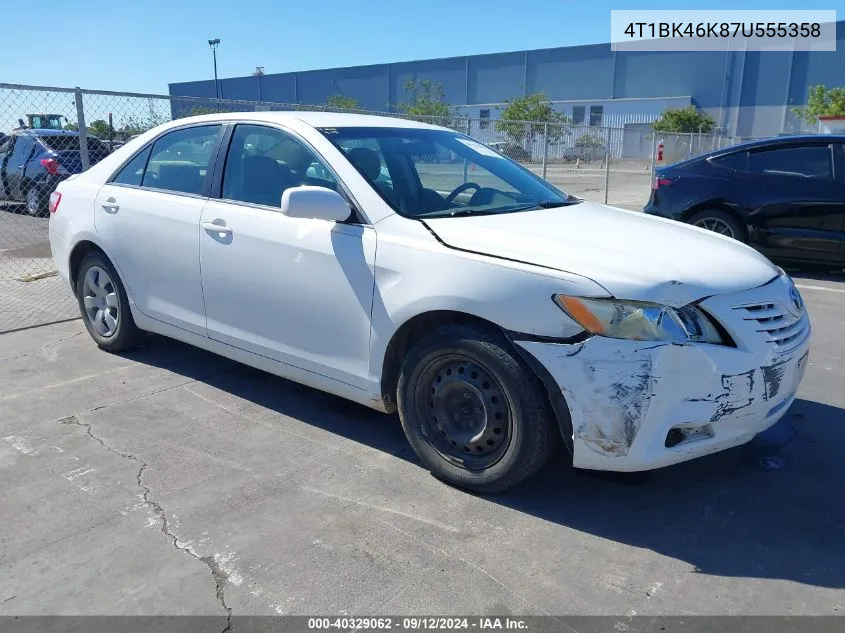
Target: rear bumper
{"x": 627, "y": 398}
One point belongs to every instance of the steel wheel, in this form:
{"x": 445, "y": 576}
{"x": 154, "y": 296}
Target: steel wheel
{"x": 463, "y": 411}
{"x": 99, "y": 296}
{"x": 33, "y": 201}
{"x": 717, "y": 225}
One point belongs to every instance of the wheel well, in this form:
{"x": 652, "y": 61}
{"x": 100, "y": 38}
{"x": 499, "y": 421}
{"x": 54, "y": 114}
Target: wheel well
{"x": 415, "y": 328}
{"x": 77, "y": 255}
{"x": 406, "y": 336}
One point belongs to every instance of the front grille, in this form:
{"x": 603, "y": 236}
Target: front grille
{"x": 780, "y": 326}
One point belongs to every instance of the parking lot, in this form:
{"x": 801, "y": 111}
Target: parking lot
{"x": 172, "y": 481}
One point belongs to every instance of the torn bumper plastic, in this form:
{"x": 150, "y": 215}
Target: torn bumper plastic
{"x": 642, "y": 405}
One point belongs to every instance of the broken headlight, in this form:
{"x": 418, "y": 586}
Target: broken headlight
{"x": 640, "y": 320}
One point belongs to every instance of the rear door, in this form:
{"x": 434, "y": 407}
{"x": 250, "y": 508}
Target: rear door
{"x": 797, "y": 203}
{"x": 148, "y": 216}
{"x": 22, "y": 149}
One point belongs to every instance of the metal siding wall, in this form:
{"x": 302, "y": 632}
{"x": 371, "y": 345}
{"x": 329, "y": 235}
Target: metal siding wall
{"x": 451, "y": 73}
{"x": 280, "y": 88}
{"x": 496, "y": 78}
{"x": 747, "y": 90}
{"x": 656, "y": 74}
{"x": 203, "y": 88}
{"x": 238, "y": 88}
{"x": 580, "y": 72}
{"x": 366, "y": 84}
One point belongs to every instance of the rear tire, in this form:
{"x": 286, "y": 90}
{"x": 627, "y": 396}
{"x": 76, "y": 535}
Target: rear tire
{"x": 105, "y": 306}
{"x": 36, "y": 202}
{"x": 720, "y": 222}
{"x": 475, "y": 415}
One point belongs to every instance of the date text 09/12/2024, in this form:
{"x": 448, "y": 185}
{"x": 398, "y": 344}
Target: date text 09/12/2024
{"x": 416, "y": 623}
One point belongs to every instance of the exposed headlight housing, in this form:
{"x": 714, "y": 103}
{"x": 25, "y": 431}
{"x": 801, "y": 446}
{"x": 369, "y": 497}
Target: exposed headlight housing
{"x": 640, "y": 320}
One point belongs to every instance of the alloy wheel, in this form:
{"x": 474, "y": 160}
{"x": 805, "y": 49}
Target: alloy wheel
{"x": 32, "y": 201}
{"x": 716, "y": 225}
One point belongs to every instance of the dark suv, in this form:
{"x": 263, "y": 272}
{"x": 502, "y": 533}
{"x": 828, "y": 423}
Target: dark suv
{"x": 33, "y": 162}
{"x": 785, "y": 196}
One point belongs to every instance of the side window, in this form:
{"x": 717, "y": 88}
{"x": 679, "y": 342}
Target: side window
{"x": 20, "y": 151}
{"x": 262, "y": 162}
{"x": 180, "y": 160}
{"x": 737, "y": 161}
{"x": 596, "y": 113}
{"x": 808, "y": 161}
{"x": 578, "y": 114}
{"x": 133, "y": 171}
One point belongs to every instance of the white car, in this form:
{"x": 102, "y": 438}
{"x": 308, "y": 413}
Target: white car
{"x": 496, "y": 313}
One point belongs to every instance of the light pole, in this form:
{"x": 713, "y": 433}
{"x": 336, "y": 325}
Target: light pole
{"x": 214, "y": 44}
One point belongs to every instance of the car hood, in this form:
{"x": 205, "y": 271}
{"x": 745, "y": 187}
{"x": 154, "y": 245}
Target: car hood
{"x": 630, "y": 254}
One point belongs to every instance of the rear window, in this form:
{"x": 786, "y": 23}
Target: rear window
{"x": 62, "y": 143}
{"x": 807, "y": 161}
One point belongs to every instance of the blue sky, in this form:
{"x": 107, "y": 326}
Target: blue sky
{"x": 143, "y": 46}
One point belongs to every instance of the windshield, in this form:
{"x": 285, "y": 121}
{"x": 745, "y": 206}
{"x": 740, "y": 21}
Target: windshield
{"x": 426, "y": 173}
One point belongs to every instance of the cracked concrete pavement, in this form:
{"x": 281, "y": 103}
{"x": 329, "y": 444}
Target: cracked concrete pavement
{"x": 171, "y": 481}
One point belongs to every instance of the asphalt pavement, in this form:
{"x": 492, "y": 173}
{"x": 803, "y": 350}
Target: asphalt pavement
{"x": 171, "y": 481}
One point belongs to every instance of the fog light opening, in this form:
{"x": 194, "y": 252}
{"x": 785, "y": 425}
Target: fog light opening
{"x": 687, "y": 433}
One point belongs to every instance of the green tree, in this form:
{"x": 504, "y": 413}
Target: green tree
{"x": 340, "y": 102}
{"x": 822, "y": 101}
{"x": 684, "y": 120}
{"x": 425, "y": 102}
{"x": 73, "y": 127}
{"x": 519, "y": 117}
{"x": 99, "y": 128}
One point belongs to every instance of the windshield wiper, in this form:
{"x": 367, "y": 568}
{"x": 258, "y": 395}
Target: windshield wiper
{"x": 551, "y": 204}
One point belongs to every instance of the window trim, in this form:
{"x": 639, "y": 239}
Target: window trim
{"x": 206, "y": 185}
{"x": 216, "y": 190}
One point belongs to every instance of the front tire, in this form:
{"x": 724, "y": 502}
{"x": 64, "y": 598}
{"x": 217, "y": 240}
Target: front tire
{"x": 475, "y": 415}
{"x": 104, "y": 305}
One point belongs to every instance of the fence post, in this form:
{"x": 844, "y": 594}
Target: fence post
{"x": 607, "y": 165}
{"x": 653, "y": 152}
{"x": 689, "y": 153}
{"x": 83, "y": 130}
{"x": 545, "y": 146}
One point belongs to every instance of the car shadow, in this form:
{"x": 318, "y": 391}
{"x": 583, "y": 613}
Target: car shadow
{"x": 770, "y": 509}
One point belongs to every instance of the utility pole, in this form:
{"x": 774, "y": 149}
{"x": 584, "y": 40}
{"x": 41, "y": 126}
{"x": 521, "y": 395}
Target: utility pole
{"x": 214, "y": 44}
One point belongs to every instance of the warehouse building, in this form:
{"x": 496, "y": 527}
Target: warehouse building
{"x": 749, "y": 93}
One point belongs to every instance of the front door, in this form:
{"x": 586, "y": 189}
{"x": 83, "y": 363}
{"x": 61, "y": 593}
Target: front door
{"x": 299, "y": 291}
{"x": 800, "y": 204}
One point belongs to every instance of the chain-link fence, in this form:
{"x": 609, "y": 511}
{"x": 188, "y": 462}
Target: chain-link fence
{"x": 51, "y": 133}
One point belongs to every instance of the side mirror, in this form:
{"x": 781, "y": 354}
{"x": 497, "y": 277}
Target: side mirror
{"x": 315, "y": 202}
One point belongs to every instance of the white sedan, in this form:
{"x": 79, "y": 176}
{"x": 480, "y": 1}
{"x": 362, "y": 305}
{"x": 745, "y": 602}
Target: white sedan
{"x": 495, "y": 312}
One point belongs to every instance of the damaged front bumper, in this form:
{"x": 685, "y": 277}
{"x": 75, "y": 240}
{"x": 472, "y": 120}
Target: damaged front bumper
{"x": 642, "y": 405}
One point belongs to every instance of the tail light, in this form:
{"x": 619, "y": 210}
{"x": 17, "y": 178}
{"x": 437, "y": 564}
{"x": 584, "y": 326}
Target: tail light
{"x": 658, "y": 182}
{"x": 51, "y": 165}
{"x": 55, "y": 199}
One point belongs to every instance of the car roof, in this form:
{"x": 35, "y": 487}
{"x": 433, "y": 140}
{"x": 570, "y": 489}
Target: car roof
{"x": 314, "y": 119}
{"x": 774, "y": 141}
{"x": 41, "y": 132}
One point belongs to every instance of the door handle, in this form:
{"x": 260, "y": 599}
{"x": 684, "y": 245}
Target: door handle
{"x": 111, "y": 206}
{"x": 211, "y": 227}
